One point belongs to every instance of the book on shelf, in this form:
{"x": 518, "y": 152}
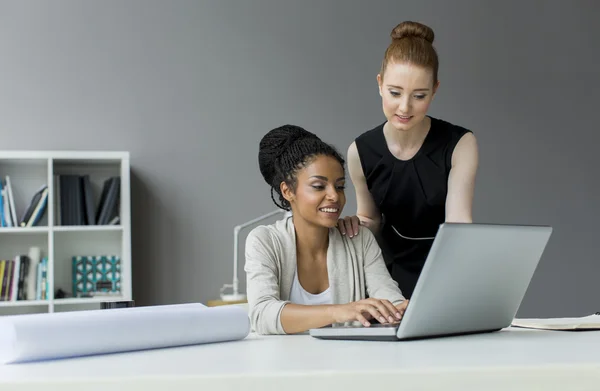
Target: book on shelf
{"x": 25, "y": 277}
{"x": 75, "y": 200}
{"x": 34, "y": 212}
{"x": 8, "y": 214}
{"x": 36, "y": 208}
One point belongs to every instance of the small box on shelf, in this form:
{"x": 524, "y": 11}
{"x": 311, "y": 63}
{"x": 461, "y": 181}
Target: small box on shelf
{"x": 79, "y": 242}
{"x": 96, "y": 275}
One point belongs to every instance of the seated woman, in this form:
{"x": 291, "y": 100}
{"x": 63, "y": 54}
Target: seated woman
{"x": 301, "y": 272}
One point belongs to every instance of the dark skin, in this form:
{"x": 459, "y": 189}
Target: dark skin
{"x": 316, "y": 203}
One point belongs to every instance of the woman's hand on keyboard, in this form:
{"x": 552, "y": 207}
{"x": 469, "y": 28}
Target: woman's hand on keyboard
{"x": 382, "y": 310}
{"x": 401, "y": 307}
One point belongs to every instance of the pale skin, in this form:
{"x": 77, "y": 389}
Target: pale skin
{"x": 407, "y": 92}
{"x": 321, "y": 185}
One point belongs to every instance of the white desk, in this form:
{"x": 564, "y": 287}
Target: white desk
{"x": 511, "y": 359}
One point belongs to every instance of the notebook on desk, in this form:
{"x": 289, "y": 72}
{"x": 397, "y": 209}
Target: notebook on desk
{"x": 590, "y": 322}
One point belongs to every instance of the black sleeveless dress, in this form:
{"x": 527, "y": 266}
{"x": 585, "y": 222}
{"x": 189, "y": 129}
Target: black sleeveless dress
{"x": 410, "y": 194}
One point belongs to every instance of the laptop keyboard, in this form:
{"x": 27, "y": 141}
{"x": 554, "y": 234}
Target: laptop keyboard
{"x": 373, "y": 325}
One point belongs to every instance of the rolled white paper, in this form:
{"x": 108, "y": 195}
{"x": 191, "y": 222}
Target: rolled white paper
{"x": 45, "y": 336}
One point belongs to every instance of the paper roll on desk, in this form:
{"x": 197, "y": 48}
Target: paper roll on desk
{"x": 46, "y": 336}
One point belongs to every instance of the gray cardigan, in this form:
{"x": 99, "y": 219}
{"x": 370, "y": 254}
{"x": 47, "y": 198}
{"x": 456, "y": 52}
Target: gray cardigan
{"x": 355, "y": 265}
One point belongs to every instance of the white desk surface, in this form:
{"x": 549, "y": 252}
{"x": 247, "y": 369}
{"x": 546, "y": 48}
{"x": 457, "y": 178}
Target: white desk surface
{"x": 511, "y": 359}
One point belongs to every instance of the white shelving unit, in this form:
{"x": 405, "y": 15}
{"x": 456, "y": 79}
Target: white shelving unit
{"x": 28, "y": 171}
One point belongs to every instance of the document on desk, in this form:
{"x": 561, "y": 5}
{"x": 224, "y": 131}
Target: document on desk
{"x": 35, "y": 337}
{"x": 590, "y": 322}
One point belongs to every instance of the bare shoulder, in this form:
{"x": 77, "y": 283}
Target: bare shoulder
{"x": 468, "y": 139}
{"x": 353, "y": 151}
{"x": 354, "y": 160}
{"x": 466, "y": 150}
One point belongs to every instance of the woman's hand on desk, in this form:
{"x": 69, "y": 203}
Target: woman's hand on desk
{"x": 382, "y": 310}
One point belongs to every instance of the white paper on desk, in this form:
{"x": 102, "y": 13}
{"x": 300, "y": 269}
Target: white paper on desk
{"x": 80, "y": 333}
{"x": 591, "y": 322}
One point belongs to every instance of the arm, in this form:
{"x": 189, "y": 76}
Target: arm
{"x": 268, "y": 313}
{"x": 379, "y": 282}
{"x": 262, "y": 283}
{"x": 380, "y": 287}
{"x": 297, "y": 318}
{"x": 367, "y": 211}
{"x": 461, "y": 181}
{"x": 271, "y": 315}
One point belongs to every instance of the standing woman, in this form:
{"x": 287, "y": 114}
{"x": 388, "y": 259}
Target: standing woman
{"x": 412, "y": 172}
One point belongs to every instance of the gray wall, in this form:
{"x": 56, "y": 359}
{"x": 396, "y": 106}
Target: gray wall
{"x": 189, "y": 87}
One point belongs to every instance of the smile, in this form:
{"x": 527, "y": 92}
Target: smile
{"x": 403, "y": 119}
{"x": 329, "y": 210}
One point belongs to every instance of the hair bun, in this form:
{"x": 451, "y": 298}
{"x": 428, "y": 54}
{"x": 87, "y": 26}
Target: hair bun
{"x": 410, "y": 29}
{"x": 274, "y": 144}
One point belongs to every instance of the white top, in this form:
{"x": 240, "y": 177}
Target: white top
{"x": 299, "y": 295}
{"x": 355, "y": 266}
{"x": 511, "y": 359}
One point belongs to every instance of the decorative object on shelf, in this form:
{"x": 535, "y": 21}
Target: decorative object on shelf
{"x": 236, "y": 296}
{"x": 96, "y": 275}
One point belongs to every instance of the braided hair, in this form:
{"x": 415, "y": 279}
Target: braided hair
{"x": 285, "y": 150}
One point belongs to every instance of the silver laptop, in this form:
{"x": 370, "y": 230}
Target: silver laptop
{"x": 473, "y": 281}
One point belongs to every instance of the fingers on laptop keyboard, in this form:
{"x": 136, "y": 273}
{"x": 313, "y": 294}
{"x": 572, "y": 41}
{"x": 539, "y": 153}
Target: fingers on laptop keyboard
{"x": 382, "y": 310}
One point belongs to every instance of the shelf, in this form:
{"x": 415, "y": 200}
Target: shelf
{"x": 27, "y": 172}
{"x": 64, "y": 228}
{"x": 23, "y": 230}
{"x": 93, "y": 156}
{"x": 87, "y": 228}
{"x": 77, "y": 300}
{"x": 21, "y": 303}
{"x": 90, "y": 300}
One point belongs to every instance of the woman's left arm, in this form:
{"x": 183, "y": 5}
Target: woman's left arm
{"x": 378, "y": 281}
{"x": 461, "y": 181}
